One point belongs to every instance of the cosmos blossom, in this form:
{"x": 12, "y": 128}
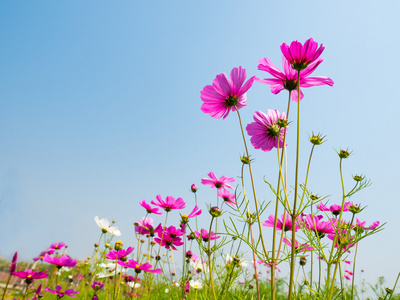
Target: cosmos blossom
{"x": 30, "y": 275}
{"x": 214, "y": 182}
{"x": 335, "y": 208}
{"x": 114, "y": 254}
{"x": 57, "y": 246}
{"x": 226, "y": 93}
{"x": 265, "y": 131}
{"x": 169, "y": 242}
{"x": 133, "y": 264}
{"x": 204, "y": 235}
{"x": 60, "y": 292}
{"x": 149, "y": 209}
{"x": 62, "y": 261}
{"x": 287, "y": 80}
{"x": 144, "y": 226}
{"x": 195, "y": 212}
{"x": 297, "y": 246}
{"x": 314, "y": 223}
{"x": 43, "y": 253}
{"x": 361, "y": 225}
{"x": 300, "y": 56}
{"x": 279, "y": 225}
{"x": 229, "y": 198}
{"x": 169, "y": 204}
{"x": 106, "y": 227}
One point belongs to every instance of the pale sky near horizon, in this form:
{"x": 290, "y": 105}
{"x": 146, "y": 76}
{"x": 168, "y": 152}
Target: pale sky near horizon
{"x": 100, "y": 108}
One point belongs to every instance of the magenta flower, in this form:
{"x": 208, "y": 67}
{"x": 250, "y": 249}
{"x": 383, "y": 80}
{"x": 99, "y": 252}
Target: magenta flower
{"x": 214, "y": 182}
{"x": 335, "y": 209}
{"x": 13, "y": 265}
{"x": 62, "y": 261}
{"x": 169, "y": 242}
{"x": 314, "y": 223}
{"x": 205, "y": 236}
{"x": 287, "y": 80}
{"x": 139, "y": 267}
{"x": 265, "y": 131}
{"x": 229, "y": 198}
{"x": 173, "y": 232}
{"x": 144, "y": 226}
{"x": 57, "y": 246}
{"x": 43, "y": 253}
{"x": 298, "y": 247}
{"x": 195, "y": 212}
{"x": 361, "y": 225}
{"x": 150, "y": 209}
{"x": 169, "y": 204}
{"x": 30, "y": 275}
{"x": 114, "y": 254}
{"x": 343, "y": 240}
{"x": 96, "y": 285}
{"x": 60, "y": 292}
{"x": 224, "y": 94}
{"x": 279, "y": 225}
{"x": 300, "y": 56}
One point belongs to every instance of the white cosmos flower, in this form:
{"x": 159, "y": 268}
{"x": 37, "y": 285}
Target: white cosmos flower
{"x": 110, "y": 270}
{"x": 166, "y": 290}
{"x": 241, "y": 261}
{"x": 134, "y": 284}
{"x": 105, "y": 226}
{"x": 196, "y": 284}
{"x": 199, "y": 266}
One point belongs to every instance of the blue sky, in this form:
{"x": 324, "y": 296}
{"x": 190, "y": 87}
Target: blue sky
{"x": 100, "y": 108}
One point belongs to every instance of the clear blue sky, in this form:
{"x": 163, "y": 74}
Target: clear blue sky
{"x": 100, "y": 108}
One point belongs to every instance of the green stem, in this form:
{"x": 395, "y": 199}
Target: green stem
{"x": 292, "y": 267}
{"x": 253, "y": 187}
{"x": 354, "y": 272}
{"x": 209, "y": 259}
{"x": 5, "y": 289}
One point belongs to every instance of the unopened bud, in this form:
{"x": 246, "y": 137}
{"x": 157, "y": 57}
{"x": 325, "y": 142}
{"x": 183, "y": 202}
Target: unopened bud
{"x": 314, "y": 197}
{"x": 316, "y": 139}
{"x": 245, "y": 160}
{"x": 215, "y": 211}
{"x": 96, "y": 245}
{"x": 344, "y": 153}
{"x": 118, "y": 245}
{"x": 355, "y": 209}
{"x": 303, "y": 260}
{"x": 282, "y": 123}
{"x": 358, "y": 178}
{"x": 193, "y": 188}
{"x": 192, "y": 236}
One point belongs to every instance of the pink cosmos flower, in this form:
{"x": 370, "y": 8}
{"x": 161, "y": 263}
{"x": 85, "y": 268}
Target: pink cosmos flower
{"x": 347, "y": 277}
{"x": 195, "y": 212}
{"x": 214, "y": 182}
{"x": 204, "y": 235}
{"x": 114, "y": 254}
{"x": 173, "y": 232}
{"x": 224, "y": 94}
{"x": 265, "y": 131}
{"x": 314, "y": 223}
{"x": 62, "y": 261}
{"x": 335, "y": 209}
{"x": 96, "y": 285}
{"x": 30, "y": 275}
{"x": 279, "y": 225}
{"x": 150, "y": 209}
{"x": 229, "y": 198}
{"x": 43, "y": 253}
{"x": 169, "y": 242}
{"x": 298, "y": 247}
{"x": 300, "y": 56}
{"x": 343, "y": 240}
{"x": 361, "y": 225}
{"x": 139, "y": 267}
{"x": 169, "y": 204}
{"x": 57, "y": 246}
{"x": 349, "y": 272}
{"x": 60, "y": 292}
{"x": 288, "y": 79}
{"x": 145, "y": 226}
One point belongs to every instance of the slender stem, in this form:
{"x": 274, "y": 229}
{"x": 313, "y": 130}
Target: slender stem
{"x": 295, "y": 190}
{"x": 5, "y": 289}
{"x": 209, "y": 259}
{"x": 334, "y": 276}
{"x": 354, "y": 272}
{"x": 162, "y": 236}
{"x": 394, "y": 287}
{"x": 253, "y": 187}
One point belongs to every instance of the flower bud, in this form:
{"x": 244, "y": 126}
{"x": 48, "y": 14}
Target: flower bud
{"x": 13, "y": 265}
{"x": 251, "y": 286}
{"x": 96, "y": 245}
{"x": 192, "y": 236}
{"x": 215, "y": 211}
{"x": 316, "y": 139}
{"x": 184, "y": 219}
{"x": 358, "y": 178}
{"x": 193, "y": 188}
{"x": 343, "y": 153}
{"x": 158, "y": 257}
{"x": 118, "y": 245}
{"x": 245, "y": 160}
{"x": 303, "y": 260}
{"x": 314, "y": 197}
{"x": 389, "y": 291}
{"x": 355, "y": 209}
{"x": 189, "y": 254}
{"x": 152, "y": 243}
{"x": 282, "y": 123}
{"x": 107, "y": 245}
